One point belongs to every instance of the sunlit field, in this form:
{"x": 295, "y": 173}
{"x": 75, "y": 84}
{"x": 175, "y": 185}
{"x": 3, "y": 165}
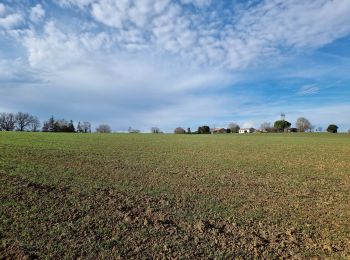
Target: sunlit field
{"x": 174, "y": 196}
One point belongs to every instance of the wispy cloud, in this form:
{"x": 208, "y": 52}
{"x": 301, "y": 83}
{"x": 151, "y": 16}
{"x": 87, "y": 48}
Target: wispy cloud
{"x": 308, "y": 90}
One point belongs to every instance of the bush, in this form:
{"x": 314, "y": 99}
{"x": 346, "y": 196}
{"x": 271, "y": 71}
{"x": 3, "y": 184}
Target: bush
{"x": 204, "y": 129}
{"x": 332, "y": 128}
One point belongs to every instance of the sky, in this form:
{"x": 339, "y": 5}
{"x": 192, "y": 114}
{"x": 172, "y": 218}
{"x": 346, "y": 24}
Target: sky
{"x": 170, "y": 63}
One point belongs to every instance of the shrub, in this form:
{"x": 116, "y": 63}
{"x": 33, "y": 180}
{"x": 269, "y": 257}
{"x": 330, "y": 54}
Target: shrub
{"x": 332, "y": 128}
{"x": 204, "y": 129}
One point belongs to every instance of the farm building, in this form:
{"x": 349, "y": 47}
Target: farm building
{"x": 246, "y": 130}
{"x": 218, "y": 130}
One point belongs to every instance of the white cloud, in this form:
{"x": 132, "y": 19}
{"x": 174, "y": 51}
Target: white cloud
{"x": 198, "y": 3}
{"x": 55, "y": 48}
{"x": 69, "y": 3}
{"x": 37, "y": 13}
{"x": 246, "y": 37}
{"x": 11, "y": 20}
{"x": 2, "y": 9}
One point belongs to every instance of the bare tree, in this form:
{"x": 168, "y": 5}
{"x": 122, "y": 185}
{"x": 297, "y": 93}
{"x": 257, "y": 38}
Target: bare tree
{"x": 155, "y": 130}
{"x": 179, "y": 130}
{"x": 7, "y": 121}
{"x": 24, "y": 121}
{"x": 34, "y": 124}
{"x": 303, "y": 124}
{"x": 103, "y": 128}
{"x": 86, "y": 127}
{"x": 265, "y": 127}
{"x": 233, "y": 127}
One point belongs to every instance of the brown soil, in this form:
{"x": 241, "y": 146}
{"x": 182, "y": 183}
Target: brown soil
{"x": 64, "y": 223}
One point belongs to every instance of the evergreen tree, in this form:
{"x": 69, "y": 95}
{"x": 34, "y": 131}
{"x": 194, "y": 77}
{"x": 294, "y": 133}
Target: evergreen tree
{"x": 71, "y": 127}
{"x": 281, "y": 125}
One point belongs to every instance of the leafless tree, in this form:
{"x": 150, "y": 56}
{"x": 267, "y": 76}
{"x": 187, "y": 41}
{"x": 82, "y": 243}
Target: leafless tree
{"x": 7, "y": 121}
{"x": 103, "y": 128}
{"x": 86, "y": 127}
{"x": 155, "y": 130}
{"x": 179, "y": 130}
{"x": 34, "y": 124}
{"x": 234, "y": 127}
{"x": 25, "y": 121}
{"x": 265, "y": 127}
{"x": 303, "y": 124}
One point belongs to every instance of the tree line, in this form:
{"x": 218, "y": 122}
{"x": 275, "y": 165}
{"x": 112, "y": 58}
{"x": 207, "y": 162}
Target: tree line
{"x": 26, "y": 122}
{"x": 302, "y": 124}
{"x": 19, "y": 121}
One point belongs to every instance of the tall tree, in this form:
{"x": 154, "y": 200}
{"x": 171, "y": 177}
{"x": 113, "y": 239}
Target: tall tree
{"x": 24, "y": 121}
{"x": 282, "y": 125}
{"x": 234, "y": 127}
{"x": 71, "y": 127}
{"x": 86, "y": 127}
{"x": 34, "y": 124}
{"x": 7, "y": 121}
{"x": 303, "y": 124}
{"x": 103, "y": 128}
{"x": 265, "y": 127}
{"x": 50, "y": 125}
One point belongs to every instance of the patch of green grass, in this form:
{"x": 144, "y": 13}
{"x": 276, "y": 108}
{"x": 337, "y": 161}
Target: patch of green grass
{"x": 70, "y": 195}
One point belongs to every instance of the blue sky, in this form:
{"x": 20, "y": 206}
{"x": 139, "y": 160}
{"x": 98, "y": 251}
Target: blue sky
{"x": 144, "y": 63}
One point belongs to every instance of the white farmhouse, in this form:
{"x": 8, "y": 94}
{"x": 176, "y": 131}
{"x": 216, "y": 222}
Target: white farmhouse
{"x": 246, "y": 130}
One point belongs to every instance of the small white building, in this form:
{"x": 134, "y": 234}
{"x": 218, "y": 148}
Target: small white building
{"x": 246, "y": 130}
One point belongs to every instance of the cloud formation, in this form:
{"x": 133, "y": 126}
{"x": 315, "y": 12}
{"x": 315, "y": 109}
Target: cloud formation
{"x": 37, "y": 13}
{"x": 163, "y": 62}
{"x": 246, "y": 35}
